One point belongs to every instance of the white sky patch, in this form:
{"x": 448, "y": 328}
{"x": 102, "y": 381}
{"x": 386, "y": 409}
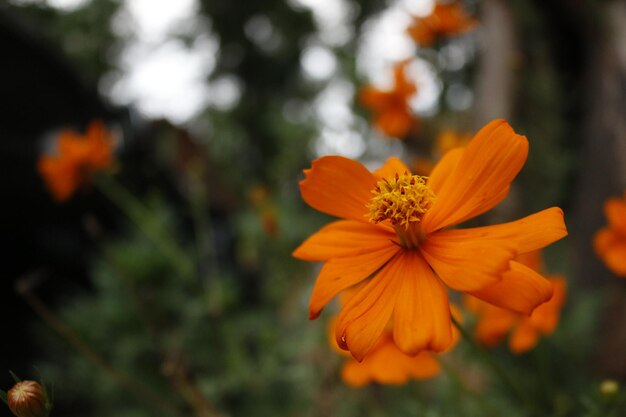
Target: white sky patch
{"x": 260, "y": 30}
{"x": 68, "y": 5}
{"x": 65, "y": 5}
{"x": 162, "y": 76}
{"x": 225, "y": 93}
{"x": 340, "y": 142}
{"x": 155, "y": 19}
{"x": 332, "y": 17}
{"x": 333, "y": 110}
{"x": 417, "y": 7}
{"x": 318, "y": 62}
{"x": 167, "y": 81}
{"x": 383, "y": 44}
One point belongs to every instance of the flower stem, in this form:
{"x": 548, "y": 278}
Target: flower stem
{"x": 520, "y": 394}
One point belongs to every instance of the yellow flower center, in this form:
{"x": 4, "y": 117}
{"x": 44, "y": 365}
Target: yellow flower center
{"x": 403, "y": 200}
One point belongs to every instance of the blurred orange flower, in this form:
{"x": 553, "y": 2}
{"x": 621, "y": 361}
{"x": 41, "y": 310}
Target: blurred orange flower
{"x": 495, "y": 323}
{"x": 447, "y": 19}
{"x": 610, "y": 242}
{"x": 76, "y": 160}
{"x": 388, "y": 365}
{"x": 260, "y": 198}
{"x": 448, "y": 140}
{"x": 392, "y": 240}
{"x": 393, "y": 115}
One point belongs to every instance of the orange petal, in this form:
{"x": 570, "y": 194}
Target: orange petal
{"x": 604, "y": 239}
{"x": 482, "y": 177}
{"x": 531, "y": 259}
{"x": 529, "y": 233}
{"x": 521, "y": 290}
{"x": 441, "y": 172}
{"x": 615, "y": 258}
{"x": 338, "y": 186}
{"x": 341, "y": 273}
{"x": 386, "y": 364}
{"x": 344, "y": 238}
{"x": 493, "y": 325}
{"x": 60, "y": 176}
{"x": 523, "y": 339}
{"x": 373, "y": 98}
{"x": 391, "y": 167}
{"x": 615, "y": 211}
{"x": 465, "y": 262}
{"x": 546, "y": 317}
{"x": 423, "y": 366}
{"x": 402, "y": 85}
{"x": 421, "y": 317}
{"x": 367, "y": 313}
{"x": 395, "y": 122}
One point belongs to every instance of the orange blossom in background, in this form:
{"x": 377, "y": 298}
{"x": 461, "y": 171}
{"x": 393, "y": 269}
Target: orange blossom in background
{"x": 392, "y": 113}
{"x": 446, "y": 19}
{"x": 76, "y": 160}
{"x": 610, "y": 241}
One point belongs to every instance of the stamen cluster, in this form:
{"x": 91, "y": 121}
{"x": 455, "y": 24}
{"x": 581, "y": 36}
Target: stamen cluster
{"x": 403, "y": 200}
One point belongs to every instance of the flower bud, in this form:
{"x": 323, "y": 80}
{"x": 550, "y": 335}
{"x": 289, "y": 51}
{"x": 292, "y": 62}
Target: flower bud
{"x": 27, "y": 399}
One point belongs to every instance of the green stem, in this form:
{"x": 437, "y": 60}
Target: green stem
{"x": 520, "y": 394}
{"x": 145, "y": 221}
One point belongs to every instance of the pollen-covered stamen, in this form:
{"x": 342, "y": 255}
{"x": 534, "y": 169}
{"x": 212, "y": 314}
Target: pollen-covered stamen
{"x": 403, "y": 200}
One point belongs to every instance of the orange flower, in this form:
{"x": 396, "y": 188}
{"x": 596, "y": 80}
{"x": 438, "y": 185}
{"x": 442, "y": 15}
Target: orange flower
{"x": 388, "y": 365}
{"x": 447, "y": 19}
{"x": 610, "y": 242}
{"x": 393, "y": 242}
{"x": 393, "y": 115}
{"x": 495, "y": 323}
{"x": 77, "y": 159}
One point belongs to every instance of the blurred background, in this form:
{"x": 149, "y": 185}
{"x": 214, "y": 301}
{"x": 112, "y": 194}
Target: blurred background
{"x": 216, "y": 107}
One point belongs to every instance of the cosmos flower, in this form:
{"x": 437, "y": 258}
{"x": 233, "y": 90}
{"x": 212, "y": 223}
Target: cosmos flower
{"x": 392, "y": 114}
{"x": 494, "y": 323}
{"x": 76, "y": 160}
{"x": 447, "y": 19}
{"x": 395, "y": 241}
{"x": 610, "y": 241}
